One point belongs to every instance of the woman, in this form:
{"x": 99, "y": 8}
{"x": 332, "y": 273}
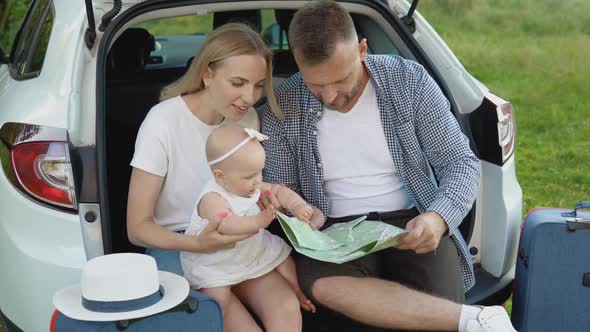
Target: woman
{"x": 228, "y": 75}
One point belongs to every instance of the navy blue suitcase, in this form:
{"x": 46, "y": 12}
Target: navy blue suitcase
{"x": 198, "y": 312}
{"x": 552, "y": 284}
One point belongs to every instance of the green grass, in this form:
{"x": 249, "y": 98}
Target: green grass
{"x": 193, "y": 24}
{"x": 18, "y": 9}
{"x": 179, "y": 25}
{"x": 536, "y": 54}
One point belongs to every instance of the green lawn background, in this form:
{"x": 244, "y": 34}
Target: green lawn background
{"x": 534, "y": 53}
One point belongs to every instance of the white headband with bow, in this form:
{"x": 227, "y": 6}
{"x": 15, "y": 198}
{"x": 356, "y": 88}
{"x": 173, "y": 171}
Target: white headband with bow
{"x": 252, "y": 134}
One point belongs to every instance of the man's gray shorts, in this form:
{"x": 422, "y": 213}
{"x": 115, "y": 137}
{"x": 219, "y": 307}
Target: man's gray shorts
{"x": 436, "y": 273}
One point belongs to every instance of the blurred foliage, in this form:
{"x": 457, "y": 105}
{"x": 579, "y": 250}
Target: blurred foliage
{"x": 12, "y": 13}
{"x": 183, "y": 25}
{"x": 195, "y": 24}
{"x": 535, "y": 54}
{"x": 531, "y": 17}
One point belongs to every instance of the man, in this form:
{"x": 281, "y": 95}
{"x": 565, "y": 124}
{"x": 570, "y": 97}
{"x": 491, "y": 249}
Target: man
{"x": 360, "y": 135}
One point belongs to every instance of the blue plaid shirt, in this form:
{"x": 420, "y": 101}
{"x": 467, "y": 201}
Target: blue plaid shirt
{"x": 421, "y": 133}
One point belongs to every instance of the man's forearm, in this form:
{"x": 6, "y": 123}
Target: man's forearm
{"x": 457, "y": 192}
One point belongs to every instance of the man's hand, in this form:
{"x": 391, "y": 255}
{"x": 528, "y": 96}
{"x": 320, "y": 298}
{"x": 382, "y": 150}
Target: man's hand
{"x": 424, "y": 233}
{"x": 317, "y": 219}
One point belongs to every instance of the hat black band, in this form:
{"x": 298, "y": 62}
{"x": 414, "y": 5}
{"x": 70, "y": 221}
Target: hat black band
{"x": 123, "y": 306}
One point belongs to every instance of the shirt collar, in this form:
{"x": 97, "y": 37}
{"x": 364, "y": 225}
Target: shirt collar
{"x": 373, "y": 73}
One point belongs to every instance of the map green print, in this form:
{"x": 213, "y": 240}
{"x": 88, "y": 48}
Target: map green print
{"x": 341, "y": 242}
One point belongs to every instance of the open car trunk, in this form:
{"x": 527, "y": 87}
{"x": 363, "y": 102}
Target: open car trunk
{"x": 139, "y": 64}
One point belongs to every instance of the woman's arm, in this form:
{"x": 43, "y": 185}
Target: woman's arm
{"x": 215, "y": 208}
{"x": 142, "y": 230}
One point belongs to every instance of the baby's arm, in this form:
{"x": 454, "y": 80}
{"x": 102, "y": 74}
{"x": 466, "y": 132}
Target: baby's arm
{"x": 214, "y": 207}
{"x": 290, "y": 200}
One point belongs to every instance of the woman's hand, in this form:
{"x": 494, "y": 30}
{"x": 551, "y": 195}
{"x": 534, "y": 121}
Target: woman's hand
{"x": 269, "y": 199}
{"x": 266, "y": 216}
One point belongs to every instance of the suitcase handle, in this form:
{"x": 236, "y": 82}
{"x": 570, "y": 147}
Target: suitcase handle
{"x": 574, "y": 213}
{"x": 576, "y": 224}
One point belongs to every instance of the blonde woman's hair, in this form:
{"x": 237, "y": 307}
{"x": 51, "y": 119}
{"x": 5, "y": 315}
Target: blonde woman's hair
{"x": 228, "y": 40}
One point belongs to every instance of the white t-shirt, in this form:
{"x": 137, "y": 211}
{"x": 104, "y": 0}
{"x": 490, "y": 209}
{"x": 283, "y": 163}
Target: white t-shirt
{"x": 359, "y": 173}
{"x": 171, "y": 144}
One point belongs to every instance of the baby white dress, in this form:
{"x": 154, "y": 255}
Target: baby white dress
{"x": 250, "y": 258}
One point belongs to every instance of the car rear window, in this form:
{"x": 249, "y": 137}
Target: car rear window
{"x": 179, "y": 38}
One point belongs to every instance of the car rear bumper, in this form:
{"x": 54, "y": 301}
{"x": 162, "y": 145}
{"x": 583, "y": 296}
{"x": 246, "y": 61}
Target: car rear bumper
{"x": 489, "y": 290}
{"x": 500, "y": 217}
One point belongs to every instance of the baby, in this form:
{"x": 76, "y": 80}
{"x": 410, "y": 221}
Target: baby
{"x": 258, "y": 270}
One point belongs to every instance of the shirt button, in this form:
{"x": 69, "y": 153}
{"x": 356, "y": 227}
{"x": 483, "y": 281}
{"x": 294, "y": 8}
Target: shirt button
{"x": 315, "y": 132}
{"x": 319, "y": 113}
{"x": 319, "y": 165}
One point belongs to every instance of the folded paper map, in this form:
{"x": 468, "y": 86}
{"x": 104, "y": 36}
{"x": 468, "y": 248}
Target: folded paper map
{"x": 341, "y": 242}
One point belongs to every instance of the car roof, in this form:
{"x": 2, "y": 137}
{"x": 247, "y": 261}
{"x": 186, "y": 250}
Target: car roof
{"x": 131, "y": 2}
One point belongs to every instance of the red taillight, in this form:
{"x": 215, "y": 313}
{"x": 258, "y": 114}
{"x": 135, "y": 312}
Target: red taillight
{"x": 45, "y": 172}
{"x": 506, "y": 125}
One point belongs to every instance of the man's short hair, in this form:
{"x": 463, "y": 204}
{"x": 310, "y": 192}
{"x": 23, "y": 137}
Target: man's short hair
{"x": 317, "y": 28}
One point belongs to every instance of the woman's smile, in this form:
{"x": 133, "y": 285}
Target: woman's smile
{"x": 241, "y": 109}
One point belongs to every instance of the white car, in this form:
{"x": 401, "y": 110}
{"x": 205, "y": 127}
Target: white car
{"x": 72, "y": 97}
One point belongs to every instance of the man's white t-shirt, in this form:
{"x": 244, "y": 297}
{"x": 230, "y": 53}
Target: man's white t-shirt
{"x": 171, "y": 144}
{"x": 359, "y": 173}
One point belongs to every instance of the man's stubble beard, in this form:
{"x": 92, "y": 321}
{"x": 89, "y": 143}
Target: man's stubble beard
{"x": 347, "y": 98}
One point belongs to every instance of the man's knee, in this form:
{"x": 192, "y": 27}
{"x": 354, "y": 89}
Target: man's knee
{"x": 324, "y": 290}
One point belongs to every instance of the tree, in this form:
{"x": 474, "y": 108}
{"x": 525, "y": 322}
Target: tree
{"x": 12, "y": 13}
{"x": 4, "y": 10}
